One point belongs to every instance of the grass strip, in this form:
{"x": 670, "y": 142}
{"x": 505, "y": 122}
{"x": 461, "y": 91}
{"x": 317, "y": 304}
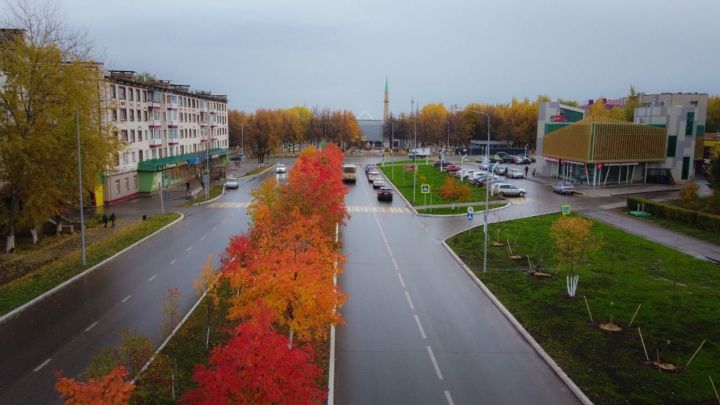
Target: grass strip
{"x": 255, "y": 171}
{"x": 427, "y": 174}
{"x": 478, "y": 208}
{"x": 680, "y": 299}
{"x": 215, "y": 191}
{"x": 22, "y": 290}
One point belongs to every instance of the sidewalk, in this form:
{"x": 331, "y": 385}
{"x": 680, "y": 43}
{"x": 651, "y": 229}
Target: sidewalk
{"x": 694, "y": 247}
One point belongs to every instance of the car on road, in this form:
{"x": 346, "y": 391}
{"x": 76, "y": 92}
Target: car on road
{"x": 500, "y": 170}
{"x": 349, "y": 173}
{"x": 385, "y": 194}
{"x": 452, "y": 168}
{"x": 379, "y": 183}
{"x": 510, "y": 190}
{"x": 373, "y": 175}
{"x": 232, "y": 182}
{"x": 368, "y": 167}
{"x": 494, "y": 187}
{"x": 438, "y": 163}
{"x": 522, "y": 160}
{"x": 280, "y": 168}
{"x": 514, "y": 174}
{"x": 564, "y": 187}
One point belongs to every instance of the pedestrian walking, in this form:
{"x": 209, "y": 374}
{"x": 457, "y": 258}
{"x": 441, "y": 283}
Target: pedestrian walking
{"x": 526, "y": 170}
{"x": 105, "y": 220}
{"x": 187, "y": 187}
{"x": 112, "y": 219}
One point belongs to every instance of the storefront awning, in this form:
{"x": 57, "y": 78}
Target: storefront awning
{"x": 156, "y": 165}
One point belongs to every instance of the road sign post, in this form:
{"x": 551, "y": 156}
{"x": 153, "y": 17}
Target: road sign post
{"x": 565, "y": 209}
{"x": 425, "y": 190}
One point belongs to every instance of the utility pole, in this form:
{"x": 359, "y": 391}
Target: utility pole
{"x": 80, "y": 189}
{"x": 412, "y": 106}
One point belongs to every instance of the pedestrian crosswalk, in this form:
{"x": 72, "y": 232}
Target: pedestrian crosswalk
{"x": 351, "y": 208}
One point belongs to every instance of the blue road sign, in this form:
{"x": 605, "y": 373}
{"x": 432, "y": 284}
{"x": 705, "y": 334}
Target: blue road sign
{"x": 470, "y": 216}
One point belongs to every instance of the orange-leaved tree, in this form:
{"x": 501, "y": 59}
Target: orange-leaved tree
{"x": 111, "y": 389}
{"x": 257, "y": 367}
{"x": 453, "y": 191}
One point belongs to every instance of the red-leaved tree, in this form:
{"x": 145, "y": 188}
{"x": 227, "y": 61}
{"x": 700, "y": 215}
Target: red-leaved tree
{"x": 111, "y": 389}
{"x": 257, "y": 367}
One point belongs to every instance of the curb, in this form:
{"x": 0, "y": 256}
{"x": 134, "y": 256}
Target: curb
{"x": 212, "y": 199}
{"x": 509, "y": 316}
{"x": 65, "y": 283}
{"x": 462, "y": 215}
{"x": 331, "y": 357}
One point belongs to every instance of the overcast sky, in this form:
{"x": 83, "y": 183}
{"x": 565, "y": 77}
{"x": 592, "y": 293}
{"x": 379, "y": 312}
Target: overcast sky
{"x": 336, "y": 53}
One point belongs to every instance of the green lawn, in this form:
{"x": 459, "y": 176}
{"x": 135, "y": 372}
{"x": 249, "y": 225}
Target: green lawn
{"x": 22, "y": 290}
{"x": 427, "y": 174}
{"x": 681, "y": 227}
{"x": 680, "y": 299}
{"x": 459, "y": 210}
{"x": 255, "y": 171}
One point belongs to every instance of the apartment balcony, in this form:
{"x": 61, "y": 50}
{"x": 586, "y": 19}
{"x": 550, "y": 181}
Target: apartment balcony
{"x": 153, "y": 105}
{"x": 173, "y": 105}
{"x": 154, "y": 123}
{"x": 173, "y": 141}
{"x": 155, "y": 142}
{"x": 173, "y": 123}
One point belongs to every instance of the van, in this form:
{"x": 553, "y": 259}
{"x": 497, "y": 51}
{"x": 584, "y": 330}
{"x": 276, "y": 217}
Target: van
{"x": 349, "y": 173}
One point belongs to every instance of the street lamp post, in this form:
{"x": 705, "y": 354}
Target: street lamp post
{"x": 487, "y": 192}
{"x": 412, "y": 104}
{"x": 80, "y": 189}
{"x": 207, "y": 160}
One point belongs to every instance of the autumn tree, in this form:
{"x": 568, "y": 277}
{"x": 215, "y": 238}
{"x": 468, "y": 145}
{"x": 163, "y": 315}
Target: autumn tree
{"x": 261, "y": 135}
{"x": 50, "y": 90}
{"x": 712, "y": 123}
{"x": 632, "y": 101}
{"x": 453, "y": 191}
{"x": 111, "y": 389}
{"x": 237, "y": 125}
{"x": 433, "y": 124}
{"x": 689, "y": 195}
{"x": 131, "y": 354}
{"x": 574, "y": 240}
{"x": 257, "y": 367}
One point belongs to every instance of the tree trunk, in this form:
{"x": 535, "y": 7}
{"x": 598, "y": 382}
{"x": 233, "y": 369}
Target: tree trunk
{"x": 10, "y": 240}
{"x": 34, "y": 233}
{"x": 290, "y": 342}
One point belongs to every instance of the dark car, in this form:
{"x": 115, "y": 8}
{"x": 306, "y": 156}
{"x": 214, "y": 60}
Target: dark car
{"x": 564, "y": 187}
{"x": 452, "y": 169}
{"x": 368, "y": 167}
{"x": 385, "y": 194}
{"x": 438, "y": 163}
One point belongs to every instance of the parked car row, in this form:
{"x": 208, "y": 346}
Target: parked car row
{"x": 384, "y": 193}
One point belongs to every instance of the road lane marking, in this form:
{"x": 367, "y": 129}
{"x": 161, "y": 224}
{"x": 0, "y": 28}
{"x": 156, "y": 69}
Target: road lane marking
{"x": 188, "y": 249}
{"x": 449, "y": 398}
{"x": 94, "y": 324}
{"x": 173, "y": 261}
{"x": 382, "y": 233}
{"x": 203, "y": 237}
{"x": 422, "y": 331}
{"x": 407, "y": 295}
{"x": 395, "y": 264}
{"x": 435, "y": 364}
{"x": 153, "y": 277}
{"x": 124, "y": 300}
{"x": 44, "y": 363}
{"x": 402, "y": 282}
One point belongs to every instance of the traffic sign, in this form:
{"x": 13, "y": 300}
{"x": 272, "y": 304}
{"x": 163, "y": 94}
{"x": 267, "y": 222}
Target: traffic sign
{"x": 566, "y": 209}
{"x": 470, "y": 216}
{"x": 425, "y": 188}
{"x": 470, "y": 210}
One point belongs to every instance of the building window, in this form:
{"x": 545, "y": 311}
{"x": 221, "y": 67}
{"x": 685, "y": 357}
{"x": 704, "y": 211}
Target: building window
{"x": 686, "y": 168}
{"x": 694, "y": 103}
{"x": 137, "y": 114}
{"x": 127, "y": 184}
{"x": 135, "y": 182}
{"x": 137, "y": 94}
{"x": 114, "y": 115}
{"x": 140, "y": 155}
{"x": 690, "y": 123}
{"x": 130, "y": 95}
{"x": 123, "y": 115}
{"x": 145, "y": 115}
{"x": 132, "y": 114}
{"x": 124, "y": 135}
{"x": 132, "y": 135}
{"x": 121, "y": 90}
{"x": 671, "y": 146}
{"x": 117, "y": 186}
{"x": 133, "y": 156}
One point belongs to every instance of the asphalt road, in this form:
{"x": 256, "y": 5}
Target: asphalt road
{"x": 66, "y": 330}
{"x": 417, "y": 329}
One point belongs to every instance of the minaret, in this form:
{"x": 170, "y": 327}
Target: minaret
{"x": 386, "y": 112}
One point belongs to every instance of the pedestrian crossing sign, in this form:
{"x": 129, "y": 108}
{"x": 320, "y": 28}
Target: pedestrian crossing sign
{"x": 566, "y": 209}
{"x": 425, "y": 188}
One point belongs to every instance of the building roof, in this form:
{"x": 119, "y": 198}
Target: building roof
{"x": 129, "y": 77}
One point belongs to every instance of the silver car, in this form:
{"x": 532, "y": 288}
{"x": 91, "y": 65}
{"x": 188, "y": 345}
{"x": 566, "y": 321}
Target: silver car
{"x": 514, "y": 174}
{"x": 510, "y": 190}
{"x": 564, "y": 187}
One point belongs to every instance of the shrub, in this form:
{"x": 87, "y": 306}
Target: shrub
{"x": 702, "y": 220}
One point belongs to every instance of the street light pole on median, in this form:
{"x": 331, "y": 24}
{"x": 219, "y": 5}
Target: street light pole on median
{"x": 488, "y": 183}
{"x": 80, "y": 189}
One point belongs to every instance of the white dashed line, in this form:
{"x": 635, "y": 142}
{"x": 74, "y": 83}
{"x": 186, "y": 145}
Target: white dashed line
{"x": 94, "y": 324}
{"x": 203, "y": 237}
{"x": 44, "y": 363}
{"x": 422, "y": 331}
{"x": 435, "y": 364}
{"x": 173, "y": 261}
{"x": 153, "y": 277}
{"x": 124, "y": 300}
{"x": 449, "y": 398}
{"x": 382, "y": 233}
{"x": 188, "y": 249}
{"x": 402, "y": 282}
{"x": 395, "y": 264}
{"x": 407, "y": 295}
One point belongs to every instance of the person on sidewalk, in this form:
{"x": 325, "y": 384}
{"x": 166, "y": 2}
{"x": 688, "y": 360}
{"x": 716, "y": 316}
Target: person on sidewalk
{"x": 105, "y": 220}
{"x": 112, "y": 219}
{"x": 526, "y": 170}
{"x": 187, "y": 187}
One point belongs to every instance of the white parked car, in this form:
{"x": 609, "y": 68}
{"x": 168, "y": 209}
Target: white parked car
{"x": 514, "y": 174}
{"x": 501, "y": 170}
{"x": 510, "y": 190}
{"x": 280, "y": 168}
{"x": 232, "y": 182}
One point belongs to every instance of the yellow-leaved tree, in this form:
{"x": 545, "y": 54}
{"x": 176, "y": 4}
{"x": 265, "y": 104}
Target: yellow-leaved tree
{"x": 574, "y": 240}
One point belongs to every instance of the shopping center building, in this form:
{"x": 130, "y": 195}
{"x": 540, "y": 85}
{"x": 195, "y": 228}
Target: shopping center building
{"x": 662, "y": 145}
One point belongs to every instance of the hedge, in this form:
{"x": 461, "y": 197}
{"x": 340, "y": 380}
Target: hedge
{"x": 659, "y": 209}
